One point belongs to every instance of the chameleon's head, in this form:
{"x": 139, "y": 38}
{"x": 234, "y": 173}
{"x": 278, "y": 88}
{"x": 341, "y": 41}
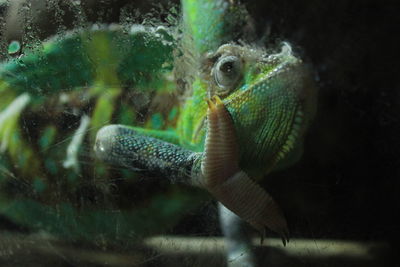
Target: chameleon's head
{"x": 271, "y": 98}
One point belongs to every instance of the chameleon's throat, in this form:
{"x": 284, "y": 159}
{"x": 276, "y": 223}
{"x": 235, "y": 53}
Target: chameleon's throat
{"x": 293, "y": 138}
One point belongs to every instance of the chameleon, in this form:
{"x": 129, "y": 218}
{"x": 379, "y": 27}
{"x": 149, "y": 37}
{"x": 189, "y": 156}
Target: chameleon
{"x": 238, "y": 112}
{"x": 245, "y": 114}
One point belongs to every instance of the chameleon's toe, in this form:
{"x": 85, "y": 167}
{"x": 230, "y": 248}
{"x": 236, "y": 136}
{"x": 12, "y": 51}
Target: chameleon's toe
{"x": 253, "y": 204}
{"x": 227, "y": 183}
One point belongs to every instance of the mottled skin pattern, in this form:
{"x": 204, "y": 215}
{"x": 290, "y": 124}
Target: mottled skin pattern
{"x": 243, "y": 112}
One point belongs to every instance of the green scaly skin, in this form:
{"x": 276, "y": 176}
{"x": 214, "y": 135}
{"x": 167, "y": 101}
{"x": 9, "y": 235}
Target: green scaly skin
{"x": 267, "y": 103}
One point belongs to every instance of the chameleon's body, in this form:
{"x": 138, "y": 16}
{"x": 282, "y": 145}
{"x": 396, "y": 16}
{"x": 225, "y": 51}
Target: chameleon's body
{"x": 267, "y": 103}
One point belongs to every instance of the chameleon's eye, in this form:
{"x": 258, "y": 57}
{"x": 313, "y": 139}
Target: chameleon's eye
{"x": 227, "y": 71}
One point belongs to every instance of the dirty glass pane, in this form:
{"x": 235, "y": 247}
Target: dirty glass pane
{"x": 309, "y": 117}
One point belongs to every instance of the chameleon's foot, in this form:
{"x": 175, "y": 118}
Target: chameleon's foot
{"x": 228, "y": 184}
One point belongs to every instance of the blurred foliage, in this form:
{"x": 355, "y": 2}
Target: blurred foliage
{"x": 113, "y": 74}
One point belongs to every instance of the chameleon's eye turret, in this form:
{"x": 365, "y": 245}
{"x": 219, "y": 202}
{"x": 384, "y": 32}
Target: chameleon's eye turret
{"x": 227, "y": 72}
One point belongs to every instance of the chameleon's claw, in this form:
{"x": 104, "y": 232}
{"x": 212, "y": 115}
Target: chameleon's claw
{"x": 283, "y": 241}
{"x": 210, "y": 104}
{"x": 262, "y": 237}
{"x": 231, "y": 186}
{"x": 218, "y": 100}
{"x": 284, "y": 234}
{"x": 285, "y": 237}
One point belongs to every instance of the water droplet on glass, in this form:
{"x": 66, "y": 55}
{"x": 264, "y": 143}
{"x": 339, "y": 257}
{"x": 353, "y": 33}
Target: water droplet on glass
{"x": 14, "y": 47}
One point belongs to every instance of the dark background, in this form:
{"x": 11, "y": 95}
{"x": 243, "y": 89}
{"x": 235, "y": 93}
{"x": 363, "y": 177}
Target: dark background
{"x": 347, "y": 184}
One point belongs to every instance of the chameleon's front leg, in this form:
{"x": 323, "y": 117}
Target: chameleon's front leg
{"x": 128, "y": 147}
{"x": 224, "y": 179}
{"x": 216, "y": 169}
